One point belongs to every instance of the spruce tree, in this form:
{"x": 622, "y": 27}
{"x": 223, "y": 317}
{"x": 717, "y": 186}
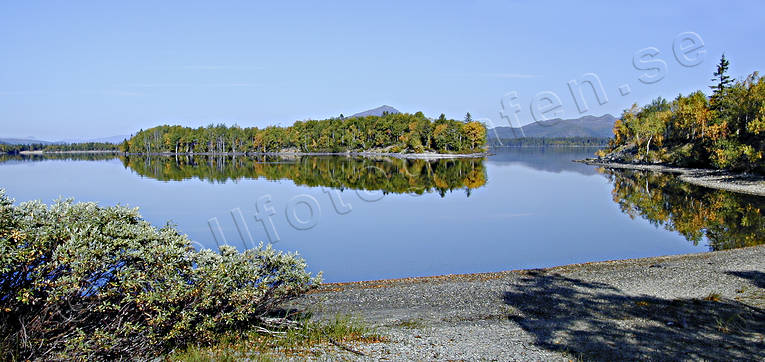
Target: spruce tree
{"x": 723, "y": 82}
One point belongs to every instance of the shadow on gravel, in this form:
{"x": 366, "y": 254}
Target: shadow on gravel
{"x": 598, "y": 321}
{"x": 756, "y": 277}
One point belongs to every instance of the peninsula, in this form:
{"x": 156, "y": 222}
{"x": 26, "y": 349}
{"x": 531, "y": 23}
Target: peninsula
{"x": 716, "y": 141}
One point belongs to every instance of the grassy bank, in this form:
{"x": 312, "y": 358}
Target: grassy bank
{"x": 308, "y": 338}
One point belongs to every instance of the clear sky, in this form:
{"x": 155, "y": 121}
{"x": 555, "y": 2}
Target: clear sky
{"x": 82, "y": 69}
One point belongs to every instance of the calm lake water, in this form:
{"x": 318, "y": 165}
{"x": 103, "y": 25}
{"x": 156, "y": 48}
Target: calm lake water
{"x": 361, "y": 219}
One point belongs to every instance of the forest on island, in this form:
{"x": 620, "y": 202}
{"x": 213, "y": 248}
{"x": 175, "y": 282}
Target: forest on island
{"x": 396, "y": 133}
{"x": 64, "y": 147}
{"x": 724, "y": 131}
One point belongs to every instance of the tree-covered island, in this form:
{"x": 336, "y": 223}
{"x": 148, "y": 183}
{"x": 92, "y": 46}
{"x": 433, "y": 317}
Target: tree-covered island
{"x": 388, "y": 133}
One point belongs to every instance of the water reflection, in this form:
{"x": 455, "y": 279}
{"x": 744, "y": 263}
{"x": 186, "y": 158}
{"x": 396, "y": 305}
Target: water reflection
{"x": 527, "y": 208}
{"x": 726, "y": 220}
{"x": 390, "y": 175}
{"x": 549, "y": 159}
{"x": 34, "y": 157}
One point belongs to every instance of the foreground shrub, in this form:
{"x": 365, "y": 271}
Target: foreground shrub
{"x": 83, "y": 281}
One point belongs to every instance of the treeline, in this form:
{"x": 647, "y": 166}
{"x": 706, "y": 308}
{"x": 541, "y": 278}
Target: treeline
{"x": 726, "y": 130}
{"x": 390, "y": 175}
{"x": 398, "y": 133}
{"x": 6, "y": 148}
{"x": 68, "y": 147}
{"x": 549, "y": 141}
{"x": 726, "y": 220}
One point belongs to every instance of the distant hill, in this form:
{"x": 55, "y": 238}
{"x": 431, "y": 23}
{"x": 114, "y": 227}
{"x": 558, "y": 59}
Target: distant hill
{"x": 23, "y": 141}
{"x": 377, "y": 111}
{"x": 113, "y": 139}
{"x": 31, "y": 140}
{"x": 586, "y": 126}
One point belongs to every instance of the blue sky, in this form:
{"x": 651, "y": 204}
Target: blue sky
{"x": 94, "y": 69}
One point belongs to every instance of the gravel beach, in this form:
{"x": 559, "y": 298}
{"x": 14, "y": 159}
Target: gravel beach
{"x": 708, "y": 306}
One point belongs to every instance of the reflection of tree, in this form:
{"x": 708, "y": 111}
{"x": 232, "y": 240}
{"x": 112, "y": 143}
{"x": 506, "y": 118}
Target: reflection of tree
{"x": 387, "y": 174}
{"x": 726, "y": 219}
{"x": 95, "y": 156}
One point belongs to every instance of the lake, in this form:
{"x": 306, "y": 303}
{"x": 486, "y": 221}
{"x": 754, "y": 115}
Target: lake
{"x": 363, "y": 219}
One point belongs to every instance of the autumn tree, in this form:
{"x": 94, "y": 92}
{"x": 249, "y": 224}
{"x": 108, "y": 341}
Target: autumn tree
{"x": 475, "y": 133}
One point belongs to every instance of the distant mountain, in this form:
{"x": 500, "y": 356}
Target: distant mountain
{"x": 31, "y": 140}
{"x": 377, "y": 111}
{"x": 113, "y": 139}
{"x": 586, "y": 126}
{"x": 23, "y": 141}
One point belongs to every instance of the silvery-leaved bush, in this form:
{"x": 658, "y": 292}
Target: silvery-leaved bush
{"x": 83, "y": 281}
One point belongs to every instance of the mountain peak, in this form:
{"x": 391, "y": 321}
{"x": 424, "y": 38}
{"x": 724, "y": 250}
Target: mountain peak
{"x": 377, "y": 111}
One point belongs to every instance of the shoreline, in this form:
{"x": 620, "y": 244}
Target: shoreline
{"x": 41, "y": 152}
{"x": 425, "y": 156}
{"x": 485, "y": 276}
{"x": 715, "y": 179}
{"x": 552, "y": 146}
{"x": 644, "y": 308}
